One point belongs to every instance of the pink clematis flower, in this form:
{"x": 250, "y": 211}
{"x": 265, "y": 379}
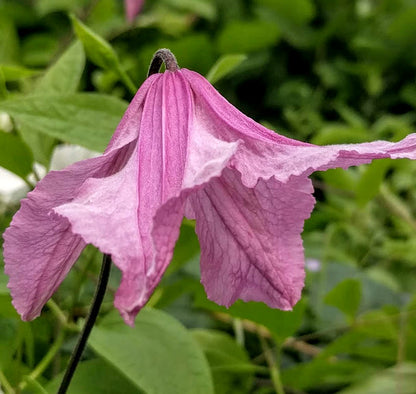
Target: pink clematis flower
{"x": 180, "y": 150}
{"x": 132, "y": 8}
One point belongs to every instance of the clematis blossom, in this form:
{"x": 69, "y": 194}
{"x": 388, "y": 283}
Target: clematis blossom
{"x": 132, "y": 8}
{"x": 180, "y": 150}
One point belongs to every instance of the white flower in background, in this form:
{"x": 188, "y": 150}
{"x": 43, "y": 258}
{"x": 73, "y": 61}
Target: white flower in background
{"x": 64, "y": 155}
{"x": 312, "y": 265}
{"x": 5, "y": 124}
{"x": 13, "y": 188}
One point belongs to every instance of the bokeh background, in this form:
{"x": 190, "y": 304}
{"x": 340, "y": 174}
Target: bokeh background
{"x": 322, "y": 71}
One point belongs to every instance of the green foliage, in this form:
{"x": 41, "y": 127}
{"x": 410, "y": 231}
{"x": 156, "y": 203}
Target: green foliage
{"x": 231, "y": 367}
{"x": 156, "y": 339}
{"x": 346, "y": 296}
{"x": 86, "y": 119}
{"x": 224, "y": 66}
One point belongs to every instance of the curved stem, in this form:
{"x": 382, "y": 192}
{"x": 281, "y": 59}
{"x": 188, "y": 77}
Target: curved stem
{"x": 44, "y": 363}
{"x": 89, "y": 323}
{"x": 163, "y": 56}
{"x": 4, "y": 383}
{"x": 273, "y": 367}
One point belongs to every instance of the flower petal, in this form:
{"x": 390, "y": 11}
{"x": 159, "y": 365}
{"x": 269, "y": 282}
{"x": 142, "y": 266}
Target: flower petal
{"x": 40, "y": 246}
{"x": 251, "y": 246}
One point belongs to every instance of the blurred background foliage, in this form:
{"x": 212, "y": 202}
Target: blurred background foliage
{"x": 323, "y": 71}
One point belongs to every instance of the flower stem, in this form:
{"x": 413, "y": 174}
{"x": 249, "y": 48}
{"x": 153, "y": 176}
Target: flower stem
{"x": 128, "y": 83}
{"x": 89, "y": 323}
{"x": 46, "y": 360}
{"x": 4, "y": 383}
{"x": 163, "y": 56}
{"x": 274, "y": 368}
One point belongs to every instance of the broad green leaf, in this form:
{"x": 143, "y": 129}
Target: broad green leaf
{"x": 244, "y": 37}
{"x": 345, "y": 296}
{"x": 85, "y": 119}
{"x": 63, "y": 76}
{"x": 96, "y": 376}
{"x": 282, "y": 324}
{"x": 98, "y": 50}
{"x": 15, "y": 155}
{"x": 370, "y": 181}
{"x": 398, "y": 379}
{"x": 230, "y": 364}
{"x": 224, "y": 65}
{"x": 158, "y": 355}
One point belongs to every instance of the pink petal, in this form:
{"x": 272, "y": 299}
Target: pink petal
{"x": 133, "y": 7}
{"x": 251, "y": 246}
{"x": 40, "y": 246}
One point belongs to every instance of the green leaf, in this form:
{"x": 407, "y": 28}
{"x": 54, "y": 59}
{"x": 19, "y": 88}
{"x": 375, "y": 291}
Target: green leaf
{"x": 86, "y": 119}
{"x": 96, "y": 376}
{"x": 244, "y": 37}
{"x": 371, "y": 179}
{"x": 64, "y": 76}
{"x": 345, "y": 296}
{"x": 224, "y": 65}
{"x": 282, "y": 324}
{"x": 323, "y": 375}
{"x": 158, "y": 355}
{"x": 9, "y": 43}
{"x": 340, "y": 134}
{"x": 14, "y": 73}
{"x": 15, "y": 155}
{"x": 398, "y": 379}
{"x": 98, "y": 50}
{"x": 230, "y": 364}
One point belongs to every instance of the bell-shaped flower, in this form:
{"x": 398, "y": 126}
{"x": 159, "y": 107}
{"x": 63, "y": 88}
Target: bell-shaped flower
{"x": 180, "y": 150}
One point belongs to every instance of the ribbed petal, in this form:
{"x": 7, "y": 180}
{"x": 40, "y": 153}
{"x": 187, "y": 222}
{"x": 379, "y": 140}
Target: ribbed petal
{"x": 251, "y": 246}
{"x": 135, "y": 214}
{"x": 40, "y": 246}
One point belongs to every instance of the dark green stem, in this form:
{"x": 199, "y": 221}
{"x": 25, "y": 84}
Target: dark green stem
{"x": 89, "y": 324}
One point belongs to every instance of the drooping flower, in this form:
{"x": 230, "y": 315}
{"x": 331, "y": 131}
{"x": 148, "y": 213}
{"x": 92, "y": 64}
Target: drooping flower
{"x": 180, "y": 150}
{"x": 132, "y": 8}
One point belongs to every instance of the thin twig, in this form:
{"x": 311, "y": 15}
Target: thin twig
{"x": 89, "y": 323}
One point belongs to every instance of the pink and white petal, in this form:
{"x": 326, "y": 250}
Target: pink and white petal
{"x": 116, "y": 213}
{"x": 129, "y": 127}
{"x": 39, "y": 246}
{"x": 250, "y": 240}
{"x": 332, "y": 156}
{"x": 225, "y": 121}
